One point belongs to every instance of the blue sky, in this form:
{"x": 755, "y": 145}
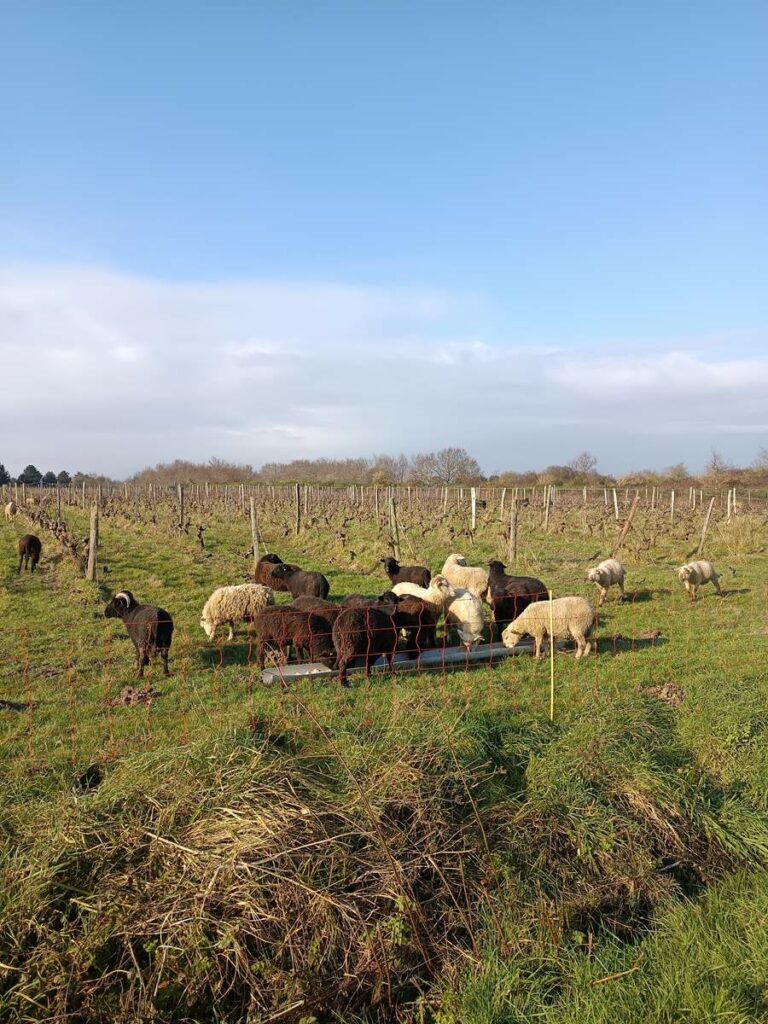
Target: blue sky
{"x": 498, "y": 199}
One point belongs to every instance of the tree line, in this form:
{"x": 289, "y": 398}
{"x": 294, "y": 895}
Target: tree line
{"x": 447, "y": 467}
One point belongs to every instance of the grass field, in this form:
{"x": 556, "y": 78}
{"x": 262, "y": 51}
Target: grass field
{"x": 427, "y": 848}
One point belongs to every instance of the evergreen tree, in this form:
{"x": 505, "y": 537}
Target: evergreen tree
{"x": 31, "y": 476}
{"x": 5, "y": 476}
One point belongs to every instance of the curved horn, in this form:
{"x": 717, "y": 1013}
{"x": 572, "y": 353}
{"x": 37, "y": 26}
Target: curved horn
{"x": 126, "y": 596}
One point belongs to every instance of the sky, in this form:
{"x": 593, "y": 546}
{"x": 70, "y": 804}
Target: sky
{"x": 264, "y": 231}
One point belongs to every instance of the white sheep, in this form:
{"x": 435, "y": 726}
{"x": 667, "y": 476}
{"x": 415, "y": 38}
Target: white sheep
{"x": 439, "y": 592}
{"x": 470, "y": 577}
{"x": 228, "y": 605}
{"x": 465, "y": 613}
{"x": 11, "y": 510}
{"x": 694, "y": 574}
{"x": 607, "y": 574}
{"x": 572, "y": 617}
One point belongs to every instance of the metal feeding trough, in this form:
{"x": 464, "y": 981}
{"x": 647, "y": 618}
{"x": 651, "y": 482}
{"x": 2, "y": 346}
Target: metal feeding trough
{"x": 448, "y": 658}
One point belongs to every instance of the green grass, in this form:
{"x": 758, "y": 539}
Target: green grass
{"x": 425, "y": 847}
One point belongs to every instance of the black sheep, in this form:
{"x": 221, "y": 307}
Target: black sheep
{"x": 149, "y": 627}
{"x": 511, "y": 595}
{"x": 364, "y": 631}
{"x": 264, "y": 569}
{"x": 29, "y": 551}
{"x": 300, "y": 583}
{"x": 304, "y": 632}
{"x": 419, "y": 620}
{"x": 397, "y": 573}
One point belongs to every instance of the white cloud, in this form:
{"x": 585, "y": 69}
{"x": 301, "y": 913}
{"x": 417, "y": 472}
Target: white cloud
{"x": 106, "y": 371}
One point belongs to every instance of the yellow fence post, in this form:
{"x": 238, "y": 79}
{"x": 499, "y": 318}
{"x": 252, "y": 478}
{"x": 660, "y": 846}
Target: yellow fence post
{"x": 551, "y": 663}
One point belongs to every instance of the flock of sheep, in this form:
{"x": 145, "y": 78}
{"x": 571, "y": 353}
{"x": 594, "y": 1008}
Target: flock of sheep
{"x": 364, "y": 629}
{"x": 405, "y": 617}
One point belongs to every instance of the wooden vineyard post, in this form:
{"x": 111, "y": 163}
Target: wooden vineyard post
{"x": 705, "y": 527}
{"x": 58, "y": 504}
{"x": 180, "y": 498}
{"x": 512, "y": 545}
{"x": 254, "y": 534}
{"x": 473, "y": 502}
{"x": 616, "y": 505}
{"x": 626, "y": 526}
{"x": 393, "y": 527}
{"x": 672, "y": 508}
{"x": 297, "y": 499}
{"x": 376, "y": 502}
{"x": 546, "y": 508}
{"x": 93, "y": 545}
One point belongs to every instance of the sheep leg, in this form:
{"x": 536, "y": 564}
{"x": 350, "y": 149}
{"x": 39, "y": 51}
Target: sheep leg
{"x": 603, "y": 593}
{"x": 141, "y": 660}
{"x": 621, "y": 589}
{"x": 231, "y": 632}
{"x": 537, "y": 648}
{"x": 164, "y": 656}
{"x": 580, "y": 644}
{"x": 718, "y": 588}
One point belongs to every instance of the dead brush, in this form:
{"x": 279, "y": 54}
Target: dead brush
{"x": 258, "y": 892}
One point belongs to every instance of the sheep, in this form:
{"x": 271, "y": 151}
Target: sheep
{"x": 365, "y": 632}
{"x": 439, "y": 592}
{"x": 263, "y": 572}
{"x": 228, "y": 605}
{"x": 418, "y": 619}
{"x": 471, "y": 578}
{"x": 571, "y": 617}
{"x": 397, "y": 573}
{"x": 462, "y": 608}
{"x": 304, "y": 632}
{"x": 150, "y": 628}
{"x": 465, "y": 613}
{"x": 607, "y": 574}
{"x": 29, "y": 552}
{"x": 300, "y": 583}
{"x": 357, "y": 600}
{"x": 695, "y": 574}
{"x": 11, "y": 510}
{"x": 510, "y": 595}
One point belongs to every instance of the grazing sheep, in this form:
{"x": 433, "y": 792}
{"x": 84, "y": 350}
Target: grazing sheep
{"x": 29, "y": 551}
{"x": 695, "y": 574}
{"x": 510, "y": 595}
{"x": 465, "y": 613}
{"x": 469, "y": 577}
{"x": 418, "y": 620}
{"x": 363, "y": 632}
{"x": 607, "y": 574}
{"x": 150, "y": 628}
{"x": 263, "y": 572}
{"x": 439, "y": 592}
{"x": 300, "y": 583}
{"x": 358, "y": 600}
{"x": 572, "y": 617}
{"x": 304, "y": 632}
{"x": 228, "y": 605}
{"x": 11, "y": 510}
{"x": 397, "y": 573}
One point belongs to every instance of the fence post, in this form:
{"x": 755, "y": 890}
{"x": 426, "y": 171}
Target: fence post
{"x": 616, "y": 505}
{"x": 551, "y": 663}
{"x": 93, "y": 545}
{"x": 672, "y": 508}
{"x": 393, "y": 527}
{"x": 297, "y": 499}
{"x": 254, "y": 534}
{"x": 626, "y": 526}
{"x": 473, "y": 502}
{"x": 705, "y": 527}
{"x": 512, "y": 545}
{"x": 180, "y": 495}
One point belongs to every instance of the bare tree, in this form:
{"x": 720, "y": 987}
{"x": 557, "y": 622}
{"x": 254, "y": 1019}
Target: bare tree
{"x": 448, "y": 466}
{"x": 583, "y": 464}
